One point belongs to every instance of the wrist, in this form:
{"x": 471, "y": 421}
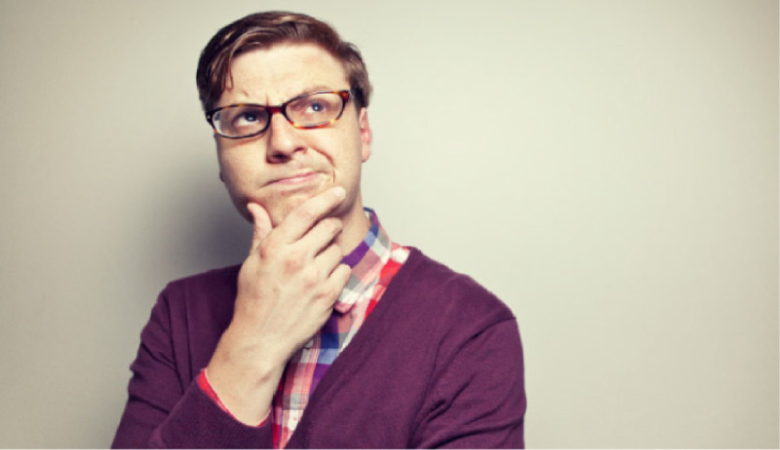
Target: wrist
{"x": 205, "y": 385}
{"x": 244, "y": 353}
{"x": 242, "y": 379}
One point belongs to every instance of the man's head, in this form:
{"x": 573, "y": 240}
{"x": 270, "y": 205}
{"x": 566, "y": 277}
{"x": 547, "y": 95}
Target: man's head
{"x": 269, "y": 59}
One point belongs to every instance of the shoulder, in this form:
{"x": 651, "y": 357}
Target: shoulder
{"x": 212, "y": 280}
{"x": 435, "y": 290}
{"x": 203, "y": 291}
{"x": 192, "y": 312}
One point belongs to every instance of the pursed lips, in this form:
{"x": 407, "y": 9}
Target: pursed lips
{"x": 298, "y": 178}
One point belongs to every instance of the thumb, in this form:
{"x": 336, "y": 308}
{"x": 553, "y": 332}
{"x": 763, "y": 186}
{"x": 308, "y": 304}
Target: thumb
{"x": 262, "y": 224}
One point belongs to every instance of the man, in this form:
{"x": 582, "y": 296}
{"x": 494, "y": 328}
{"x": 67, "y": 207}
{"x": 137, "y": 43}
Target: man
{"x": 329, "y": 334}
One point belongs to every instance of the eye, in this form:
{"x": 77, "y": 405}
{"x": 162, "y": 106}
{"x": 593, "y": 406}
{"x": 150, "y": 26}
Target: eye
{"x": 313, "y": 110}
{"x": 246, "y": 117}
{"x": 314, "y": 106}
{"x": 311, "y": 106}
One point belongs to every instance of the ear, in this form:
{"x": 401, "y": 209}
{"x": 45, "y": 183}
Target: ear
{"x": 366, "y": 135}
{"x": 219, "y": 160}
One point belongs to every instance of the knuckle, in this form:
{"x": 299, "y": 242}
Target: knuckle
{"x": 266, "y": 247}
{"x": 328, "y": 294}
{"x": 336, "y": 225}
{"x": 309, "y": 279}
{"x": 329, "y": 227}
{"x": 293, "y": 262}
{"x": 335, "y": 253}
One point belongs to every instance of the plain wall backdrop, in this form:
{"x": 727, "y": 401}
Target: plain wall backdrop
{"x": 609, "y": 168}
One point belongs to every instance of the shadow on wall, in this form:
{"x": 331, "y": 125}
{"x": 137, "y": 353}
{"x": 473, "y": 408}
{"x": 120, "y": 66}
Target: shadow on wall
{"x": 196, "y": 227}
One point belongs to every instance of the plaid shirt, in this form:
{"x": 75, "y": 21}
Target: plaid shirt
{"x": 374, "y": 263}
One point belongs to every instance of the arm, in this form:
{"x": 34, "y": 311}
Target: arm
{"x": 478, "y": 398}
{"x": 301, "y": 274}
{"x": 162, "y": 412}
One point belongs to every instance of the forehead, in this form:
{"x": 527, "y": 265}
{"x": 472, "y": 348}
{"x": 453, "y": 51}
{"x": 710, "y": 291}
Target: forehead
{"x": 275, "y": 74}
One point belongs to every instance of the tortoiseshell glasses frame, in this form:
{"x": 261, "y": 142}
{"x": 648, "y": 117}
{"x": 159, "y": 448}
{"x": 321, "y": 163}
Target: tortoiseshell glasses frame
{"x": 307, "y": 111}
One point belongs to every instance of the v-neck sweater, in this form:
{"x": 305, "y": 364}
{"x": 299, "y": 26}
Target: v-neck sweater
{"x": 438, "y": 363}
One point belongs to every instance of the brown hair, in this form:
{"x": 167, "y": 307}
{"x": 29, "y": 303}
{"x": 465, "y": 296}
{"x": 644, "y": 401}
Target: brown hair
{"x": 262, "y": 30}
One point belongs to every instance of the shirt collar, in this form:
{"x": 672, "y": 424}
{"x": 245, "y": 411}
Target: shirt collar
{"x": 366, "y": 261}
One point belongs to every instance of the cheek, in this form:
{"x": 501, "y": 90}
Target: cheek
{"x": 346, "y": 155}
{"x": 236, "y": 168}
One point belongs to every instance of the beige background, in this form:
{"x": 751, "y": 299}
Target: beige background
{"x": 608, "y": 168}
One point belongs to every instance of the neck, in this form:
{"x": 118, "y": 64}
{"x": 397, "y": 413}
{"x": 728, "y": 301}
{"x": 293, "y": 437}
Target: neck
{"x": 355, "y": 228}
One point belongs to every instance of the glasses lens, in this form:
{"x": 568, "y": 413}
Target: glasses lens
{"x": 315, "y": 109}
{"x": 240, "y": 121}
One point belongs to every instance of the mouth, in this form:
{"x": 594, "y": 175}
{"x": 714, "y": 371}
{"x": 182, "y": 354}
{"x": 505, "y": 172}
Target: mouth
{"x": 294, "y": 180}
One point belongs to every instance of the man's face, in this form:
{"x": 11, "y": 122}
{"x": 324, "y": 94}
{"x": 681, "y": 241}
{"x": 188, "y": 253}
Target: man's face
{"x": 282, "y": 167}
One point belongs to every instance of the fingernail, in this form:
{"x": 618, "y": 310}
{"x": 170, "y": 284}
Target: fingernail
{"x": 339, "y": 192}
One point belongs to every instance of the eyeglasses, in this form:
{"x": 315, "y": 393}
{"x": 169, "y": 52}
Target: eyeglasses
{"x": 307, "y": 111}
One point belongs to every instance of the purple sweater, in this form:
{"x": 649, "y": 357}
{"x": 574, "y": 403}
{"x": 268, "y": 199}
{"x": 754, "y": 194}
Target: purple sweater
{"x": 438, "y": 363}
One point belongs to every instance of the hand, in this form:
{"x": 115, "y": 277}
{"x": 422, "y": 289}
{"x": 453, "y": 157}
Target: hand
{"x": 292, "y": 277}
{"x": 286, "y": 290}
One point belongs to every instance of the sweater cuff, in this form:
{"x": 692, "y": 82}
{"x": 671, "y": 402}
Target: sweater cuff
{"x": 205, "y": 386}
{"x": 197, "y": 422}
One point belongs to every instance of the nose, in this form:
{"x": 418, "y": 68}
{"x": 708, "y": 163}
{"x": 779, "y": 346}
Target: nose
{"x": 283, "y": 139}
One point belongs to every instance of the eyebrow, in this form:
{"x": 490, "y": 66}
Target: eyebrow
{"x": 317, "y": 88}
{"x": 312, "y": 89}
{"x": 307, "y": 90}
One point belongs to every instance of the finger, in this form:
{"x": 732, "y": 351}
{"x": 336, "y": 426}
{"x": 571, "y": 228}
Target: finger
{"x": 321, "y": 235}
{"x": 329, "y": 259}
{"x": 339, "y": 278}
{"x": 334, "y": 286}
{"x": 303, "y": 218}
{"x": 262, "y": 224}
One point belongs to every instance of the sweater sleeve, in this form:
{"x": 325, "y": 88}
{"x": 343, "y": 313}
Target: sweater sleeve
{"x": 477, "y": 398}
{"x": 162, "y": 411}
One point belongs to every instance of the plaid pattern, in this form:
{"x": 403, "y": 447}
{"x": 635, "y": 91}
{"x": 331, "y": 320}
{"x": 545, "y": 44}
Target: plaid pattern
{"x": 374, "y": 263}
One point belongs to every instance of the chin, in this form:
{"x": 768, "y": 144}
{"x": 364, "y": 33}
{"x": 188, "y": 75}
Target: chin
{"x": 280, "y": 209}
